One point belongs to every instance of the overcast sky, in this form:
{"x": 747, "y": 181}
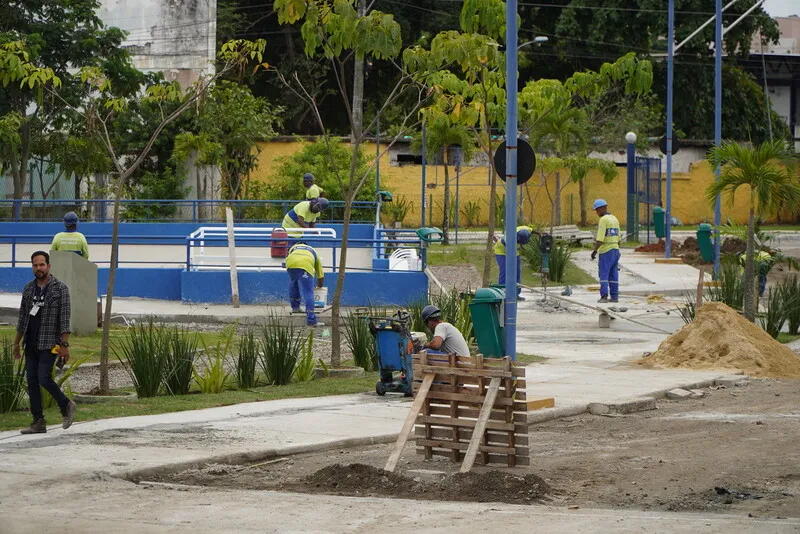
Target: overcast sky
{"x": 782, "y": 8}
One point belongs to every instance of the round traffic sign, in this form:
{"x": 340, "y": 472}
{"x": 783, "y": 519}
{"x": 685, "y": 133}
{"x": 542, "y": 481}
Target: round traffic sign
{"x": 526, "y": 161}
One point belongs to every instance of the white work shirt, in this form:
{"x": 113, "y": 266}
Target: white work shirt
{"x": 452, "y": 340}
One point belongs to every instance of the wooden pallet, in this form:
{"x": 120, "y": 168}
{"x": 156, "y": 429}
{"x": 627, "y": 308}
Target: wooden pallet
{"x": 470, "y": 409}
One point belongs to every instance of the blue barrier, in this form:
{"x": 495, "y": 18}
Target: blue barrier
{"x": 376, "y": 285}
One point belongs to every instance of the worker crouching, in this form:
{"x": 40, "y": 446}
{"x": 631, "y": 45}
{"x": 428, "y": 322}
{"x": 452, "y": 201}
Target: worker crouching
{"x": 304, "y": 266}
{"x": 447, "y": 339}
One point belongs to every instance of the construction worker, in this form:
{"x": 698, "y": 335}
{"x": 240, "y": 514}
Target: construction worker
{"x": 446, "y": 337}
{"x": 71, "y": 239}
{"x": 304, "y": 215}
{"x": 523, "y": 238}
{"x": 764, "y": 262}
{"x": 607, "y": 245}
{"x": 303, "y": 265}
{"x": 312, "y": 190}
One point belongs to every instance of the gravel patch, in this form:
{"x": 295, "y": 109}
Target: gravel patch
{"x": 87, "y": 378}
{"x": 461, "y": 277}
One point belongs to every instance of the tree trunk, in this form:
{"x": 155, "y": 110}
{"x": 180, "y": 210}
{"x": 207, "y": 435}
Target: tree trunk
{"x": 349, "y": 196}
{"x": 749, "y": 263}
{"x": 557, "y": 201}
{"x": 112, "y": 275}
{"x": 582, "y": 200}
{"x": 446, "y": 214}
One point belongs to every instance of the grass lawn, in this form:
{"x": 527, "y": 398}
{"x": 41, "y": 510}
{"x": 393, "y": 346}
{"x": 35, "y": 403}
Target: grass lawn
{"x": 529, "y": 358}
{"x": 786, "y": 338}
{"x": 81, "y": 346}
{"x": 474, "y": 254}
{"x": 166, "y": 404}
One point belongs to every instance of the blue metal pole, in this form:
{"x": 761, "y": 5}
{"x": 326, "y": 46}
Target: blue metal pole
{"x": 424, "y": 174}
{"x": 511, "y": 180}
{"x": 378, "y": 162}
{"x": 670, "y": 68}
{"x": 631, "y": 208}
{"x": 717, "y": 125}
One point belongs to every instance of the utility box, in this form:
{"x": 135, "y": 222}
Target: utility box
{"x": 659, "y": 216}
{"x": 487, "y": 319}
{"x": 706, "y": 242}
{"x": 80, "y": 276}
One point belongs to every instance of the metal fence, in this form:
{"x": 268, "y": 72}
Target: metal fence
{"x": 648, "y": 189}
{"x": 194, "y": 211}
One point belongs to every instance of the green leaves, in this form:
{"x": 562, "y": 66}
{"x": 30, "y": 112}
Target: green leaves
{"x": 15, "y": 66}
{"x": 333, "y": 29}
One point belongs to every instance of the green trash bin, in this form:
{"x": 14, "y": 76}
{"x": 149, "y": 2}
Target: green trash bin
{"x": 659, "y": 216}
{"x": 487, "y": 319}
{"x": 706, "y": 242}
{"x": 430, "y": 235}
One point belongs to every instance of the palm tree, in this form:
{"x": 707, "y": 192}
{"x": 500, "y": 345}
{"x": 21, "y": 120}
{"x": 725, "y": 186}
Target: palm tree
{"x": 563, "y": 131}
{"x": 442, "y": 135}
{"x": 768, "y": 171}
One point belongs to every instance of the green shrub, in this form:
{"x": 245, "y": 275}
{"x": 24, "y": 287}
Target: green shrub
{"x": 560, "y": 257}
{"x": 775, "y": 317}
{"x": 414, "y": 309}
{"x": 246, "y": 360}
{"x": 791, "y": 295}
{"x": 180, "y": 360}
{"x": 361, "y": 341}
{"x": 688, "y": 310}
{"x": 62, "y": 381}
{"x": 215, "y": 375}
{"x": 730, "y": 288}
{"x": 471, "y": 213}
{"x": 280, "y": 345}
{"x": 304, "y": 372}
{"x": 12, "y": 378}
{"x": 398, "y": 209}
{"x": 144, "y": 353}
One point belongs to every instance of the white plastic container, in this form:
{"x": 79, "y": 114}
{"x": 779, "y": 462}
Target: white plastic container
{"x": 320, "y": 297}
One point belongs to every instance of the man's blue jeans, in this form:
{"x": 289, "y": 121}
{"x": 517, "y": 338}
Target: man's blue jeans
{"x": 501, "y": 264}
{"x": 301, "y": 288}
{"x": 608, "y": 268}
{"x": 39, "y": 371}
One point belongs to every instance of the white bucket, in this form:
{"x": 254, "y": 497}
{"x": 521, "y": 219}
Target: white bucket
{"x": 320, "y": 297}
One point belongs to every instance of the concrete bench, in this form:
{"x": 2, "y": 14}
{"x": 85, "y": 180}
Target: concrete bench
{"x": 571, "y": 234}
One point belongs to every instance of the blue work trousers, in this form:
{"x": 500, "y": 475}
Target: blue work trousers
{"x": 501, "y": 264}
{"x": 609, "y": 273}
{"x": 301, "y": 288}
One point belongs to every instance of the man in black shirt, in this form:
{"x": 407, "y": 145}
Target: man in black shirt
{"x": 44, "y": 323}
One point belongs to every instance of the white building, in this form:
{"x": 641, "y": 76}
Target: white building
{"x": 176, "y": 37}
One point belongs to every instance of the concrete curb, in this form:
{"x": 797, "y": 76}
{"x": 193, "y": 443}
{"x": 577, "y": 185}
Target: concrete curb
{"x": 627, "y": 406}
{"x": 238, "y": 458}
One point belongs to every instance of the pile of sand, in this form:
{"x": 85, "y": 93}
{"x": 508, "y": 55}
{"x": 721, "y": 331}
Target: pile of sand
{"x": 719, "y": 338}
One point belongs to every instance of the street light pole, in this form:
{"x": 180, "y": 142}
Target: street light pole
{"x": 630, "y": 139}
{"x": 510, "y": 325}
{"x": 717, "y": 126}
{"x": 670, "y": 69}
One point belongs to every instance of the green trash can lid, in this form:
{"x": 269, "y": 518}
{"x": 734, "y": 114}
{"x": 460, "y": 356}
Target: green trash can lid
{"x": 430, "y": 235}
{"x": 488, "y": 295}
{"x": 705, "y": 227}
{"x": 658, "y": 209}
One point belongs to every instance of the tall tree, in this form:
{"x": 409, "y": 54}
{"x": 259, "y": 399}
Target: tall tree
{"x": 342, "y": 32}
{"x": 62, "y": 35}
{"x": 769, "y": 174}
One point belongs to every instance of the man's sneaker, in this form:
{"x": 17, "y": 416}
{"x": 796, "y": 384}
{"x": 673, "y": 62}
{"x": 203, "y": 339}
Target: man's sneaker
{"x": 37, "y": 427}
{"x": 521, "y": 298}
{"x": 603, "y": 300}
{"x": 614, "y": 300}
{"x": 296, "y": 310}
{"x": 69, "y": 414}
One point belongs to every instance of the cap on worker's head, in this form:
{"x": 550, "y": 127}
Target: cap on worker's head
{"x": 599, "y": 203}
{"x": 308, "y": 178}
{"x": 524, "y": 236}
{"x": 321, "y": 202}
{"x": 430, "y": 312}
{"x": 71, "y": 219}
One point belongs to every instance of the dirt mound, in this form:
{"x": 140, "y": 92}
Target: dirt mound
{"x": 733, "y": 245}
{"x": 488, "y": 486}
{"x": 719, "y": 338}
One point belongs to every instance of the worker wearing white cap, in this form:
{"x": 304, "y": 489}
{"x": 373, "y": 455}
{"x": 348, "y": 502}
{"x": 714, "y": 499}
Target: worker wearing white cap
{"x": 607, "y": 245}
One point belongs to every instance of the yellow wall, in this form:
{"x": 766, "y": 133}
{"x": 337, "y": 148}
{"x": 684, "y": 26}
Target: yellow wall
{"x": 688, "y": 190}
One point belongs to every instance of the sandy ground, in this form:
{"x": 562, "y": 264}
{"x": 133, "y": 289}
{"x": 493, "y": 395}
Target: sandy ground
{"x": 733, "y": 451}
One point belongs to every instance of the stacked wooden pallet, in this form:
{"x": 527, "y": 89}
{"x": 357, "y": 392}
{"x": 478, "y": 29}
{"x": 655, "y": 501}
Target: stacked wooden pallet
{"x": 468, "y": 408}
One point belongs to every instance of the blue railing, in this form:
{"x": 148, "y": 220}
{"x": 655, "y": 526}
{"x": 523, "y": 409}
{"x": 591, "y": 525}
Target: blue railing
{"x": 195, "y": 211}
{"x": 191, "y": 242}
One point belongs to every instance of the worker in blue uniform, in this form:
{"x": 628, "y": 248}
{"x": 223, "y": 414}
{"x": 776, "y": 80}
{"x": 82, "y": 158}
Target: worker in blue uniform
{"x": 523, "y": 238}
{"x": 607, "y": 245}
{"x": 304, "y": 265}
